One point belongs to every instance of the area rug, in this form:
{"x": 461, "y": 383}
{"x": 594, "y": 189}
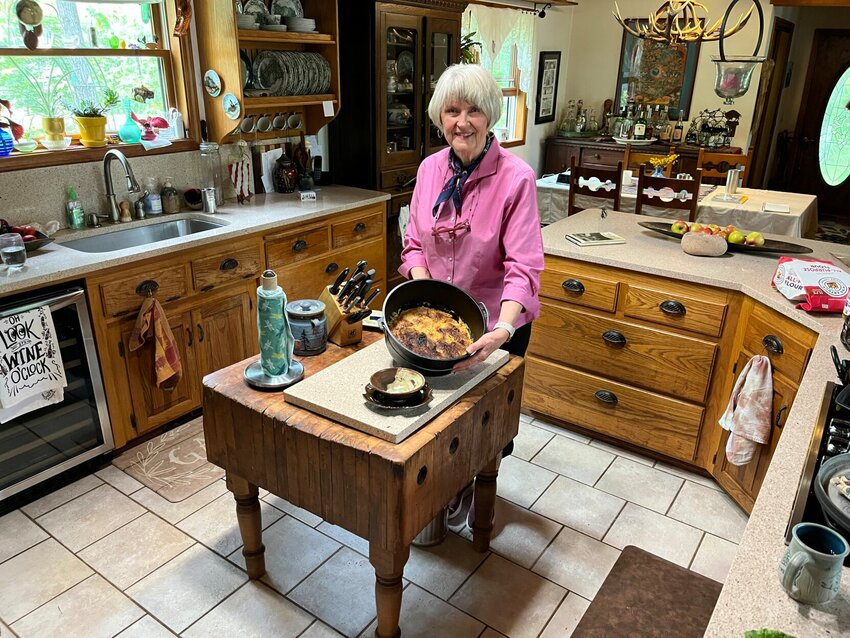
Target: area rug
{"x": 174, "y": 464}
{"x": 831, "y": 230}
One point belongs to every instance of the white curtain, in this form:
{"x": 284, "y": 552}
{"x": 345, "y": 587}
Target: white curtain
{"x": 496, "y": 28}
{"x": 116, "y": 1}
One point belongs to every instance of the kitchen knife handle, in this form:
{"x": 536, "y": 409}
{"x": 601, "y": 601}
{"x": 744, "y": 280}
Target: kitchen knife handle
{"x": 338, "y": 281}
{"x": 351, "y": 286}
{"x": 364, "y": 288}
{"x": 371, "y": 297}
{"x": 361, "y": 266}
{"x": 352, "y": 303}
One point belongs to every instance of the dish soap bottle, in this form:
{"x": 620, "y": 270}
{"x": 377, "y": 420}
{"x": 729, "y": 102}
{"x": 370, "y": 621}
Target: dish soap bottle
{"x": 76, "y": 216}
{"x": 170, "y": 197}
{"x": 129, "y": 131}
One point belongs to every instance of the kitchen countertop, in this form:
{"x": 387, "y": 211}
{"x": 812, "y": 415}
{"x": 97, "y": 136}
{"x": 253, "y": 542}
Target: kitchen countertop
{"x": 272, "y": 212}
{"x": 752, "y": 596}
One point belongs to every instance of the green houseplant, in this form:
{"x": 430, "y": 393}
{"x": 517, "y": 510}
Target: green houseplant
{"x": 470, "y": 49}
{"x": 46, "y": 95}
{"x": 90, "y": 116}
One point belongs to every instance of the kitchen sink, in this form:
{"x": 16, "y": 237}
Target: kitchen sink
{"x": 141, "y": 235}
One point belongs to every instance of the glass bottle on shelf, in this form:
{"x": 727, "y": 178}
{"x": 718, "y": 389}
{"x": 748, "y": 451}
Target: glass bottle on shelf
{"x": 664, "y": 127}
{"x": 581, "y": 121}
{"x": 170, "y": 197}
{"x": 592, "y": 122}
{"x": 678, "y": 130}
{"x": 211, "y": 169}
{"x": 626, "y": 124}
{"x": 640, "y": 126}
{"x": 571, "y": 116}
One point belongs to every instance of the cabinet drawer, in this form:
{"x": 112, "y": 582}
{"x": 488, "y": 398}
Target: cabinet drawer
{"x": 647, "y": 357}
{"x": 398, "y": 178}
{"x": 225, "y": 267}
{"x": 358, "y": 229}
{"x": 606, "y": 158}
{"x": 796, "y": 341}
{"x": 126, "y": 295}
{"x": 643, "y": 418}
{"x": 559, "y": 280}
{"x": 703, "y": 312}
{"x": 283, "y": 249}
{"x": 558, "y": 156}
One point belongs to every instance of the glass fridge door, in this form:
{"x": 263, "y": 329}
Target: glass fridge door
{"x": 399, "y": 128}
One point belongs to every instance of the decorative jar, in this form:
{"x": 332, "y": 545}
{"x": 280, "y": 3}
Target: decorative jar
{"x": 309, "y": 326}
{"x": 285, "y": 175}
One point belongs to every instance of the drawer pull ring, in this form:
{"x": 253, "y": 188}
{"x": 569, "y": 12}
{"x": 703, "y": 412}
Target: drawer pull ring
{"x": 779, "y": 422}
{"x": 200, "y": 333}
{"x": 359, "y": 227}
{"x": 229, "y": 264}
{"x": 299, "y": 245}
{"x": 606, "y": 396}
{"x": 147, "y": 288}
{"x": 672, "y": 307}
{"x": 614, "y": 337}
{"x": 332, "y": 267}
{"x": 573, "y": 285}
{"x": 773, "y": 344}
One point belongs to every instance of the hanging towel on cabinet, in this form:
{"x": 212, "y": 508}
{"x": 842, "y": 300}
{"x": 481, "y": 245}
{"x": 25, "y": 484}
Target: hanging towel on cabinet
{"x": 748, "y": 415}
{"x": 152, "y": 322}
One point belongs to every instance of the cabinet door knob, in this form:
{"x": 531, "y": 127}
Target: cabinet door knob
{"x": 672, "y": 307}
{"x": 299, "y": 245}
{"x": 573, "y": 285}
{"x": 773, "y": 344}
{"x": 332, "y": 267}
{"x": 606, "y": 396}
{"x": 147, "y": 288}
{"x": 614, "y": 337}
{"x": 229, "y": 264}
{"x": 779, "y": 422}
{"x": 359, "y": 227}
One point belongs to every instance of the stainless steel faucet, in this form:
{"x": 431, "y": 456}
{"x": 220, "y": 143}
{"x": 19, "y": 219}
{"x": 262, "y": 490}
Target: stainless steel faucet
{"x": 132, "y": 184}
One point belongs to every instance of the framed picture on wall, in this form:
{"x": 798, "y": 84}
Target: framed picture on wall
{"x": 656, "y": 73}
{"x": 548, "y": 70}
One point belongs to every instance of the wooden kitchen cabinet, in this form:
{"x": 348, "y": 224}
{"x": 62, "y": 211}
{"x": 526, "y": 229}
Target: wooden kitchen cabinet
{"x": 223, "y": 332}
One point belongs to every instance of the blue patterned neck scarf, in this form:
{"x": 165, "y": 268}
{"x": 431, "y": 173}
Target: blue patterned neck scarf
{"x": 454, "y": 187}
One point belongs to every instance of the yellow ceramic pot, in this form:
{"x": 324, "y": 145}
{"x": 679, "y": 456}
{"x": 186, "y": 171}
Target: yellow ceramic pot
{"x": 54, "y": 128}
{"x": 92, "y": 130}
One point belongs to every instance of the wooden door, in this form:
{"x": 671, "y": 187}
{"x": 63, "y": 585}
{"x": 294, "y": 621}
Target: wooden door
{"x": 742, "y": 482}
{"x": 829, "y": 63}
{"x": 224, "y": 333}
{"x": 151, "y": 405}
{"x": 442, "y": 49}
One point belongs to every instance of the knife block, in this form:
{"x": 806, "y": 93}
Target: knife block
{"x": 340, "y": 331}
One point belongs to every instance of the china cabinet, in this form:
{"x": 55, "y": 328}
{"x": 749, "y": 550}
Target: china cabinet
{"x": 391, "y": 56}
{"x": 232, "y": 53}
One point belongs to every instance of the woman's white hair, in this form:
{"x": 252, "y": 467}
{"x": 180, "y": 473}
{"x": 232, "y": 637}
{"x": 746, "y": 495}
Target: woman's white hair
{"x": 466, "y": 83}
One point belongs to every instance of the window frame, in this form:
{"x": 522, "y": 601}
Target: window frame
{"x": 520, "y": 122}
{"x": 180, "y": 84}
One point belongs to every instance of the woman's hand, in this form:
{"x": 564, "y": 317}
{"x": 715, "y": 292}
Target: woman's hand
{"x": 483, "y": 348}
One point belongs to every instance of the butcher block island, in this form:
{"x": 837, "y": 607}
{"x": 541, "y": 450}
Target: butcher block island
{"x": 640, "y": 343}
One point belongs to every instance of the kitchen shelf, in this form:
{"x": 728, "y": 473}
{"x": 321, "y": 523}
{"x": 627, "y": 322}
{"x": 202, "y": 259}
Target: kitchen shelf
{"x": 287, "y": 101}
{"x": 283, "y": 37}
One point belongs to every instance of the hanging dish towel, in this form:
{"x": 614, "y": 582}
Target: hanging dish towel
{"x": 152, "y": 322}
{"x": 31, "y": 370}
{"x": 747, "y": 416}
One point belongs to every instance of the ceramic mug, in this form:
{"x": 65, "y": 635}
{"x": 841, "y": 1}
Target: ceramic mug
{"x": 627, "y": 176}
{"x": 294, "y": 121}
{"x": 279, "y": 121}
{"x": 810, "y": 570}
{"x": 247, "y": 124}
{"x": 264, "y": 123}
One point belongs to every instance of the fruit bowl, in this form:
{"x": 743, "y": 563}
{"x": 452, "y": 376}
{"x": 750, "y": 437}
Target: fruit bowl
{"x": 40, "y": 240}
{"x": 770, "y": 245}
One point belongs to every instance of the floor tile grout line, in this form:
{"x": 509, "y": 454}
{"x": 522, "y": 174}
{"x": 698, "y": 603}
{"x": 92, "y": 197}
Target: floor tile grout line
{"x": 557, "y": 607}
{"x": 696, "y": 551}
{"x": 35, "y": 519}
{"x": 673, "y": 502}
{"x": 51, "y": 599}
{"x": 135, "y": 518}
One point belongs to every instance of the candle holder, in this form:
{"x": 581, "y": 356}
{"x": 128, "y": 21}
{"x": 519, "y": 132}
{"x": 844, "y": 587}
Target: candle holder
{"x": 733, "y": 73}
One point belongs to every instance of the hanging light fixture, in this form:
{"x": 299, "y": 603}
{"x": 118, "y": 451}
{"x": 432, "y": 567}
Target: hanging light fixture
{"x": 733, "y": 74}
{"x": 683, "y": 21}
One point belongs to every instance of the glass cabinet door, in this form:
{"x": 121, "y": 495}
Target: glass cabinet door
{"x": 443, "y": 50}
{"x": 401, "y": 53}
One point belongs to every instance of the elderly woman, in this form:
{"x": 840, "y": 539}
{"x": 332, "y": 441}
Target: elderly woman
{"x": 473, "y": 216}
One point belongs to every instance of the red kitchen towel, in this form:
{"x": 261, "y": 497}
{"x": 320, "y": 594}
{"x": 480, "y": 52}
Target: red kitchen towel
{"x": 747, "y": 416}
{"x": 152, "y": 322}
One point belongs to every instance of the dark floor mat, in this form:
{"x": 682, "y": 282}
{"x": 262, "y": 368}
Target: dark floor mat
{"x": 645, "y": 595}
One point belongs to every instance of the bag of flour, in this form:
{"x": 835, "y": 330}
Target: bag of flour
{"x": 820, "y": 285}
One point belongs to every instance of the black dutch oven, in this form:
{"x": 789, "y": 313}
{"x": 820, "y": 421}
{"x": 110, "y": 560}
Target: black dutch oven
{"x": 437, "y": 294}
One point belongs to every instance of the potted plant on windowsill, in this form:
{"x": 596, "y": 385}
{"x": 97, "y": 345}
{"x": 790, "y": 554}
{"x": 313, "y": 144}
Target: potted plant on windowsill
{"x": 91, "y": 118}
{"x": 46, "y": 95}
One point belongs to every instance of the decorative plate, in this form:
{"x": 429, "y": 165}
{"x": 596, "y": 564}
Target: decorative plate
{"x": 255, "y": 7}
{"x": 770, "y": 245}
{"x": 231, "y": 106}
{"x": 212, "y": 83}
{"x": 404, "y": 65}
{"x": 288, "y": 8}
{"x": 625, "y": 140}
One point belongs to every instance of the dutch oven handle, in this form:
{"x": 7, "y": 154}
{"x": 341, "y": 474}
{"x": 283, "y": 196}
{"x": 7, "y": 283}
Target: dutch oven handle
{"x": 485, "y": 313}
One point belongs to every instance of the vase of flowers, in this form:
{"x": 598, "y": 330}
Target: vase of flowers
{"x": 90, "y": 116}
{"x": 662, "y": 164}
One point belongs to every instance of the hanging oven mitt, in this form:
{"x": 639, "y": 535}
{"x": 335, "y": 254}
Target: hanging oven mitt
{"x": 152, "y": 322}
{"x": 747, "y": 417}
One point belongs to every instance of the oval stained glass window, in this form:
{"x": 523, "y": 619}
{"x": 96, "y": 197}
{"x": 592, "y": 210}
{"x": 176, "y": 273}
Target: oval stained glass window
{"x": 834, "y": 143}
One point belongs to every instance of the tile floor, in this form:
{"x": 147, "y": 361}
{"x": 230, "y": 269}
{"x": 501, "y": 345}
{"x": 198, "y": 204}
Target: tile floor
{"x": 107, "y": 557}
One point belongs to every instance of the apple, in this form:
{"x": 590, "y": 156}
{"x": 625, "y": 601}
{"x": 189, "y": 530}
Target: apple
{"x": 714, "y": 228}
{"x": 755, "y": 238}
{"x": 696, "y": 226}
{"x": 680, "y": 226}
{"x": 736, "y": 237}
{"x": 705, "y": 230}
{"x": 29, "y": 238}
{"x": 722, "y": 232}
{"x": 23, "y": 230}
{"x": 731, "y": 228}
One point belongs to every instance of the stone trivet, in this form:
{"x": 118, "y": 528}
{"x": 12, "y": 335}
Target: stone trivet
{"x": 337, "y": 393}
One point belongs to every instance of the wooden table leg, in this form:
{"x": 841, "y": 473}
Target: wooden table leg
{"x": 485, "y": 502}
{"x": 250, "y": 525}
{"x": 389, "y": 568}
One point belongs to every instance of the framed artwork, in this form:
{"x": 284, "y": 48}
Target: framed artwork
{"x": 547, "y": 86}
{"x": 656, "y": 73}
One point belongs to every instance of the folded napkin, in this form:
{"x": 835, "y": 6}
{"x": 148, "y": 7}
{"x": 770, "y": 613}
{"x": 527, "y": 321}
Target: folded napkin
{"x": 30, "y": 361}
{"x": 747, "y": 417}
{"x": 152, "y": 322}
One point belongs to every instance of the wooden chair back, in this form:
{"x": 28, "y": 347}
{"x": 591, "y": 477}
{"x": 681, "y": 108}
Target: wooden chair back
{"x": 635, "y": 160}
{"x": 579, "y": 175}
{"x": 654, "y": 184}
{"x": 715, "y": 165}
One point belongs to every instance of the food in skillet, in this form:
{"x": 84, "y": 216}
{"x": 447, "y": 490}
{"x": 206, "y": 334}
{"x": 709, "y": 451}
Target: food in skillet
{"x": 431, "y": 333}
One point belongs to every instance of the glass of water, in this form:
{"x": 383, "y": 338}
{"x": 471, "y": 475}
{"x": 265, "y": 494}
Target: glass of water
{"x": 12, "y": 251}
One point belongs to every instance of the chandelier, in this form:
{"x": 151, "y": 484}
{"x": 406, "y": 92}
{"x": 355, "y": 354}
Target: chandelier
{"x": 683, "y": 21}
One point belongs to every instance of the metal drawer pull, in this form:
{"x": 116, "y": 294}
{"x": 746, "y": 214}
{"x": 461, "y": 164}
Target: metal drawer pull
{"x": 614, "y": 337}
{"x": 189, "y": 332}
{"x": 201, "y": 331}
{"x": 672, "y": 307}
{"x": 773, "y": 344}
{"x": 359, "y": 227}
{"x": 779, "y": 422}
{"x": 299, "y": 245}
{"x": 573, "y": 285}
{"x": 147, "y": 288}
{"x": 606, "y": 396}
{"x": 332, "y": 267}
{"x": 229, "y": 264}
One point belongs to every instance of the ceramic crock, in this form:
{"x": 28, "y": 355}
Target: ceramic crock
{"x": 309, "y": 326}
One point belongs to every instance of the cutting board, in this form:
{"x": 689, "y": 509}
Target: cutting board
{"x": 337, "y": 393}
